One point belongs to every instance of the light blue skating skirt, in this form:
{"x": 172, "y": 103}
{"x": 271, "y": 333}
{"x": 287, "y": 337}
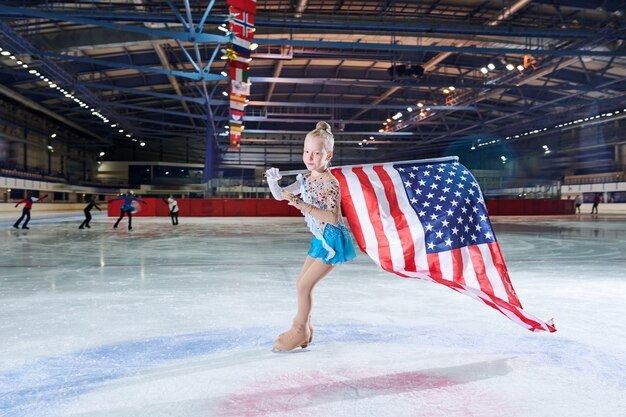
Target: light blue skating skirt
{"x": 338, "y": 238}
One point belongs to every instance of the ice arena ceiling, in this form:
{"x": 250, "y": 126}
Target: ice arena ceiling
{"x": 458, "y": 71}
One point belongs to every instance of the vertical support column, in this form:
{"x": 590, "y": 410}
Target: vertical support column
{"x": 49, "y": 160}
{"x": 25, "y": 149}
{"x": 620, "y": 157}
{"x": 84, "y": 167}
{"x": 210, "y": 156}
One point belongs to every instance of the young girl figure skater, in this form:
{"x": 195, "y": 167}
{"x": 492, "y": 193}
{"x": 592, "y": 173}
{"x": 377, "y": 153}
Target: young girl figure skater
{"x": 317, "y": 195}
{"x": 127, "y": 208}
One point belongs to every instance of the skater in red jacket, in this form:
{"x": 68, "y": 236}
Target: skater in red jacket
{"x": 28, "y": 204}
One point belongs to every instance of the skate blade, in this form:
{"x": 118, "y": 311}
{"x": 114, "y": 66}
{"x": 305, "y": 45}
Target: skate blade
{"x": 274, "y": 350}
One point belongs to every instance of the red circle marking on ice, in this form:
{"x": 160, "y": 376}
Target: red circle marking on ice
{"x": 293, "y": 393}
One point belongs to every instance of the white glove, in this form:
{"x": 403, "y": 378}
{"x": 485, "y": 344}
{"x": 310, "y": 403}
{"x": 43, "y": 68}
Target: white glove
{"x": 273, "y": 174}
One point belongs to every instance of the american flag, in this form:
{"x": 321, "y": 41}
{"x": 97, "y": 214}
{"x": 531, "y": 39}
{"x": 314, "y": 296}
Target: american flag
{"x": 428, "y": 220}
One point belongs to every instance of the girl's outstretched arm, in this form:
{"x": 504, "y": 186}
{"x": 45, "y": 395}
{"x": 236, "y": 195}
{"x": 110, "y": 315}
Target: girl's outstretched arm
{"x": 273, "y": 176}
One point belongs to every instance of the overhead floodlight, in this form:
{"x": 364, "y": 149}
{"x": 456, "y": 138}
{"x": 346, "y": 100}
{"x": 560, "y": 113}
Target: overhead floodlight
{"x": 420, "y": 104}
{"x": 142, "y": 143}
{"x": 5, "y": 53}
{"x": 253, "y": 46}
{"x": 54, "y": 135}
{"x": 452, "y": 88}
{"x": 484, "y": 70}
{"x": 224, "y": 93}
{"x": 409, "y": 109}
{"x": 491, "y": 66}
{"x": 520, "y": 67}
{"x": 102, "y": 153}
{"x": 224, "y": 73}
{"x": 510, "y": 67}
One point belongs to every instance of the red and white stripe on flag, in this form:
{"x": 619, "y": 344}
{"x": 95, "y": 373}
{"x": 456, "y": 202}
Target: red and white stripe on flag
{"x": 428, "y": 220}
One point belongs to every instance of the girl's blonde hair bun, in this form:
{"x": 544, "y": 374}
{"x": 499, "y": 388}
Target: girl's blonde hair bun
{"x": 322, "y": 125}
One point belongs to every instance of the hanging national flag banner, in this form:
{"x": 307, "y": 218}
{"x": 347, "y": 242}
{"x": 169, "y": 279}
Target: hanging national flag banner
{"x": 241, "y": 52}
{"x": 235, "y": 97}
{"x": 239, "y": 88}
{"x": 234, "y": 56}
{"x": 235, "y": 139}
{"x": 428, "y": 220}
{"x": 236, "y": 119}
{"x": 236, "y": 114}
{"x": 237, "y": 105}
{"x": 245, "y": 5}
{"x": 241, "y": 24}
{"x": 242, "y": 43}
{"x": 238, "y": 73}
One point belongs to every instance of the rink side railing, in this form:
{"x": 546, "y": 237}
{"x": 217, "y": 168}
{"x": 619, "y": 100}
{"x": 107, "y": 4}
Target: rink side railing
{"x": 210, "y": 207}
{"x": 260, "y": 207}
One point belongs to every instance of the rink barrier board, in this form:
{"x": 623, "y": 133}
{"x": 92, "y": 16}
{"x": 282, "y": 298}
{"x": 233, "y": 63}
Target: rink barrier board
{"x": 211, "y": 207}
{"x": 538, "y": 207}
{"x": 257, "y": 207}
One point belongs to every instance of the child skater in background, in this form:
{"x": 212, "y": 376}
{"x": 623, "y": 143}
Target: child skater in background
{"x": 173, "y": 205}
{"x": 28, "y": 204}
{"x": 320, "y": 201}
{"x": 90, "y": 204}
{"x": 127, "y": 208}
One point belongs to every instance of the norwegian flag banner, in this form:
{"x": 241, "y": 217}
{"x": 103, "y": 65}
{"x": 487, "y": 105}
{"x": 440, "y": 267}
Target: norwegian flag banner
{"x": 241, "y": 24}
{"x": 428, "y": 220}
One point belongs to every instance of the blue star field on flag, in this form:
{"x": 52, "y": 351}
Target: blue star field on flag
{"x": 449, "y": 204}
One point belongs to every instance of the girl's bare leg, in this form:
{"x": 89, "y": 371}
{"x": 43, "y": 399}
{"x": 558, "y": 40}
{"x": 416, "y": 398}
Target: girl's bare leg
{"x": 312, "y": 272}
{"x": 305, "y": 284}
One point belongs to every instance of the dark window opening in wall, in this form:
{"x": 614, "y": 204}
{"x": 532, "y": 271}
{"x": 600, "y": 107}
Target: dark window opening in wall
{"x": 139, "y": 174}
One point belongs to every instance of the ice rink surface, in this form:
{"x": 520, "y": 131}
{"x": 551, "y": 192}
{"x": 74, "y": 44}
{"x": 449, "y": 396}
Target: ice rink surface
{"x": 179, "y": 321}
